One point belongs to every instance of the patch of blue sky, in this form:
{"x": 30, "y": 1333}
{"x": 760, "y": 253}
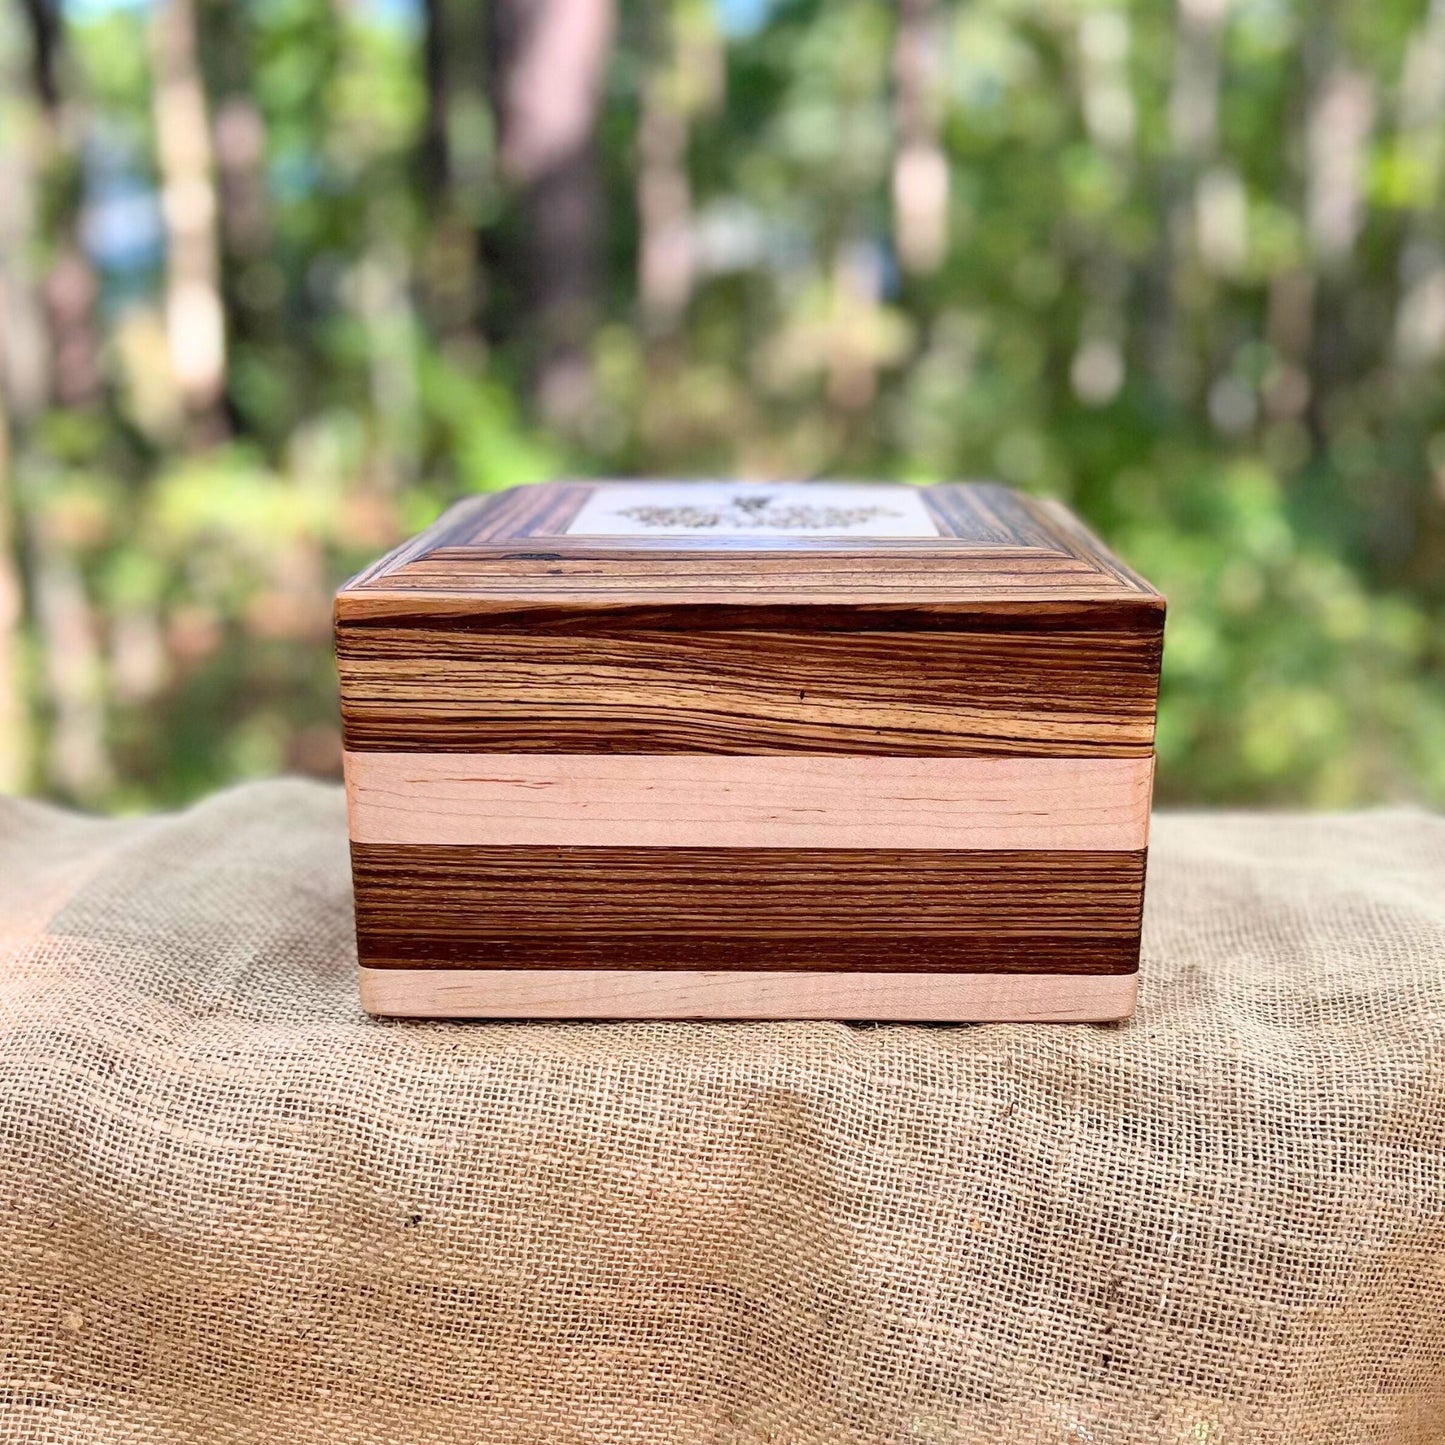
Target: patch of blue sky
{"x": 398, "y": 14}
{"x": 741, "y": 18}
{"x": 83, "y": 10}
{"x": 121, "y": 224}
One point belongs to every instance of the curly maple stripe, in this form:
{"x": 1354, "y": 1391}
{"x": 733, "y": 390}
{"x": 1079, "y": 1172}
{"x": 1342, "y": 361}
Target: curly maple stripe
{"x": 703, "y": 800}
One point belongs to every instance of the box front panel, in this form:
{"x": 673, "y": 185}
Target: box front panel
{"x": 757, "y": 817}
{"x": 1010, "y": 688}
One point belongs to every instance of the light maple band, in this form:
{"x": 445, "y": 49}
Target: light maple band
{"x": 753, "y": 994}
{"x": 702, "y": 800}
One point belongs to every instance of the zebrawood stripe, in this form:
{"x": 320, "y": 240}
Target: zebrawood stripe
{"x": 754, "y": 994}
{"x": 695, "y": 800}
{"x": 1051, "y": 693}
{"x": 1057, "y": 912}
{"x": 903, "y": 953}
{"x": 460, "y": 612}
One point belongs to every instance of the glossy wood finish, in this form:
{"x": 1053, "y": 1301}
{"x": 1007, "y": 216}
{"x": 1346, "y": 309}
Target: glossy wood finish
{"x": 542, "y": 993}
{"x": 1072, "y": 912}
{"x": 507, "y": 551}
{"x": 1065, "y": 955}
{"x": 1083, "y": 693}
{"x": 714, "y": 759}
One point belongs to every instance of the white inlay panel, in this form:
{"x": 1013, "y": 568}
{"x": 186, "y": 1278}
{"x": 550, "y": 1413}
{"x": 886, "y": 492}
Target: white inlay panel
{"x": 739, "y": 509}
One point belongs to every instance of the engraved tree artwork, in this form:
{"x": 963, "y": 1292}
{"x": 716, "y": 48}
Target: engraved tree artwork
{"x": 744, "y": 513}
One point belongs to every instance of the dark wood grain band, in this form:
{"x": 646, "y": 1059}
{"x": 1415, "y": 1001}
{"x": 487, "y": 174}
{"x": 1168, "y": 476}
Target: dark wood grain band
{"x": 464, "y": 612}
{"x": 962, "y": 953}
{"x": 1080, "y": 693}
{"x": 464, "y": 906}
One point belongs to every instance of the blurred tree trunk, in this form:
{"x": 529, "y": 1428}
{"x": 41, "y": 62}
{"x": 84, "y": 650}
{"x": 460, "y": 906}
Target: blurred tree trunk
{"x": 240, "y": 137}
{"x": 14, "y": 713}
{"x": 664, "y": 194}
{"x": 252, "y": 285}
{"x": 549, "y": 60}
{"x": 434, "y": 151}
{"x": 69, "y": 290}
{"x": 1098, "y": 364}
{"x": 77, "y": 762}
{"x": 1419, "y": 322}
{"x": 245, "y": 209}
{"x": 195, "y": 316}
{"x": 50, "y": 356}
{"x": 455, "y": 169}
{"x": 1340, "y": 113}
{"x": 77, "y": 755}
{"x": 1194, "y": 139}
{"x": 24, "y": 367}
{"x": 853, "y": 352}
{"x": 43, "y": 18}
{"x": 920, "y": 168}
{"x": 684, "y": 77}
{"x": 381, "y": 292}
{"x": 1420, "y": 316}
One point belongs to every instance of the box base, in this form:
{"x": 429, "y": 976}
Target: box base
{"x": 592, "y": 993}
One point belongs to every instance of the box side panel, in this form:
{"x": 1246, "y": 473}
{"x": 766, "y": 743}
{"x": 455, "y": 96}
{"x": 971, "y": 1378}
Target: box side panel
{"x": 969, "y": 802}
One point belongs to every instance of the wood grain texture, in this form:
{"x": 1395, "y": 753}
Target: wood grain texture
{"x": 698, "y": 800}
{"x": 457, "y": 906}
{"x": 1062, "y": 956}
{"x": 722, "y": 994}
{"x": 618, "y": 615}
{"x": 510, "y": 550}
{"x": 980, "y": 516}
{"x": 744, "y": 764}
{"x": 1082, "y": 693}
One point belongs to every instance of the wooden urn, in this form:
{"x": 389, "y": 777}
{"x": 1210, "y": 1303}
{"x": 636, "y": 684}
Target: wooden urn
{"x": 723, "y": 750}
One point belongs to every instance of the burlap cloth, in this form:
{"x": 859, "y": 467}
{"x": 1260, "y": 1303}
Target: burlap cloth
{"x": 234, "y": 1209}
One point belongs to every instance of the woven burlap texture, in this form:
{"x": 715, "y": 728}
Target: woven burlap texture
{"x": 233, "y": 1209}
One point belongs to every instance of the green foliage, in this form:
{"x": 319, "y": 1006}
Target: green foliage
{"x": 1194, "y": 284}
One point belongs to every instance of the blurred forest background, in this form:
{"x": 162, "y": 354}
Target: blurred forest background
{"x": 280, "y": 279}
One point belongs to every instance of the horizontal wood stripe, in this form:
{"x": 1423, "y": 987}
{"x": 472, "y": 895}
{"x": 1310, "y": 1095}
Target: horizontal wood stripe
{"x": 861, "y": 586}
{"x": 456, "y": 612}
{"x": 720, "y": 994}
{"x": 1057, "y": 911}
{"x": 1085, "y": 693}
{"x": 681, "y": 800}
{"x": 672, "y": 949}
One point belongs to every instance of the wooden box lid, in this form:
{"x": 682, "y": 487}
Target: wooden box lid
{"x": 829, "y": 545}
